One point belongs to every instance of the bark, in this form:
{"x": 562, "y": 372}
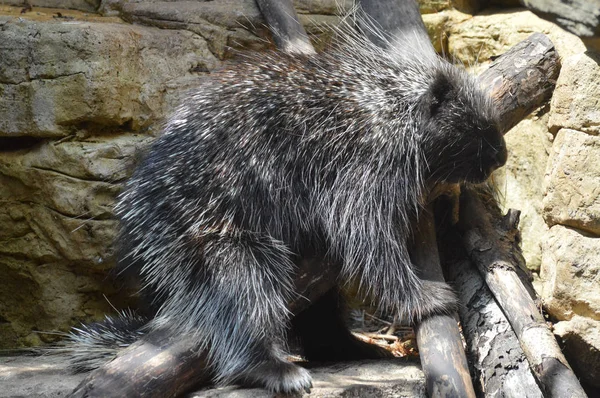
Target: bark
{"x": 522, "y": 79}
{"x": 499, "y": 366}
{"x": 288, "y": 33}
{"x": 440, "y": 345}
{"x": 496, "y": 259}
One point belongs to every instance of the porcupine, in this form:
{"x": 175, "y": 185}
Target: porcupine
{"x": 282, "y": 156}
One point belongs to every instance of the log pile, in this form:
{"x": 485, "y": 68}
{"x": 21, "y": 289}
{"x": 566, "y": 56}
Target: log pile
{"x": 520, "y": 81}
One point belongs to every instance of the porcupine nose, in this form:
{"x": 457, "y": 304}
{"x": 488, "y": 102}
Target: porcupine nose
{"x": 496, "y": 158}
{"x": 501, "y": 156}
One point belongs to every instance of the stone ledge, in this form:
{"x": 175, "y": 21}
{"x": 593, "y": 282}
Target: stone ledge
{"x": 46, "y": 377}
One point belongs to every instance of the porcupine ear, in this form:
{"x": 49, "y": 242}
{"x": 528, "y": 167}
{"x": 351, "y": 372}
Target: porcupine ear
{"x": 440, "y": 90}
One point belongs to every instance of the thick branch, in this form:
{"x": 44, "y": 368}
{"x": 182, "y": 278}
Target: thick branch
{"x": 392, "y": 19}
{"x": 499, "y": 366}
{"x": 492, "y": 255}
{"x": 441, "y": 350}
{"x": 289, "y": 35}
{"x": 522, "y": 79}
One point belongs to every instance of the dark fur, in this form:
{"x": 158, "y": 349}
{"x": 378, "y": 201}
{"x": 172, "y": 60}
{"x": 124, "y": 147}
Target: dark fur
{"x": 284, "y": 155}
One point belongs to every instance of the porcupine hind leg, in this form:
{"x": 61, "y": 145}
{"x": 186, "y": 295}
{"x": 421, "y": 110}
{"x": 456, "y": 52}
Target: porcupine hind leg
{"x": 250, "y": 281}
{"x": 324, "y": 335}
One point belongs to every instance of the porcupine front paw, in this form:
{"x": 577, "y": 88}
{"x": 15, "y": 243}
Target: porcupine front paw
{"x": 280, "y": 377}
{"x": 437, "y": 298}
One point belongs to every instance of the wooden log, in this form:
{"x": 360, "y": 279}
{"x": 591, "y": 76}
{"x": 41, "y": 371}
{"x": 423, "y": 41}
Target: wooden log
{"x": 492, "y": 255}
{"x": 522, "y": 79}
{"x": 287, "y": 31}
{"x": 440, "y": 345}
{"x": 498, "y": 365}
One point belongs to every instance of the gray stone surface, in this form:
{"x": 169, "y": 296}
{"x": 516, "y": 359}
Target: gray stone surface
{"x": 493, "y": 32}
{"x": 581, "y": 17}
{"x": 81, "y": 5}
{"x": 60, "y": 76}
{"x": 575, "y": 101}
{"x": 35, "y": 377}
{"x": 581, "y": 341}
{"x": 520, "y": 182}
{"x": 45, "y": 377}
{"x": 572, "y": 183}
{"x": 569, "y": 274}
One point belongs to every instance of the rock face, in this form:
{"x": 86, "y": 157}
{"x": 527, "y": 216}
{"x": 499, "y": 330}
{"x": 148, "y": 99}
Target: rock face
{"x": 81, "y": 5}
{"x": 581, "y": 17}
{"x": 571, "y": 207}
{"x": 575, "y": 100}
{"x": 58, "y": 78}
{"x": 572, "y": 188}
{"x": 492, "y": 33}
{"x": 520, "y": 182}
{"x": 581, "y": 341}
{"x": 570, "y": 270}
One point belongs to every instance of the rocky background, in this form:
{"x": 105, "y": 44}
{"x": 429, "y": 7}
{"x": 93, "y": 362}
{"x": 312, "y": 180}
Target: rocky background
{"x": 84, "y": 85}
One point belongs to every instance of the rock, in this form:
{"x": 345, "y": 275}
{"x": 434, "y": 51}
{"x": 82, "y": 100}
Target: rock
{"x": 575, "y": 101}
{"x": 224, "y": 24}
{"x": 581, "y": 345}
{"x": 81, "y": 5}
{"x": 46, "y": 377}
{"x": 569, "y": 274}
{"x": 572, "y": 192}
{"x": 435, "y": 6}
{"x": 36, "y": 377}
{"x": 520, "y": 182}
{"x": 581, "y": 17}
{"x": 58, "y": 77}
{"x": 492, "y": 33}
{"x": 439, "y": 24}
{"x": 56, "y": 229}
